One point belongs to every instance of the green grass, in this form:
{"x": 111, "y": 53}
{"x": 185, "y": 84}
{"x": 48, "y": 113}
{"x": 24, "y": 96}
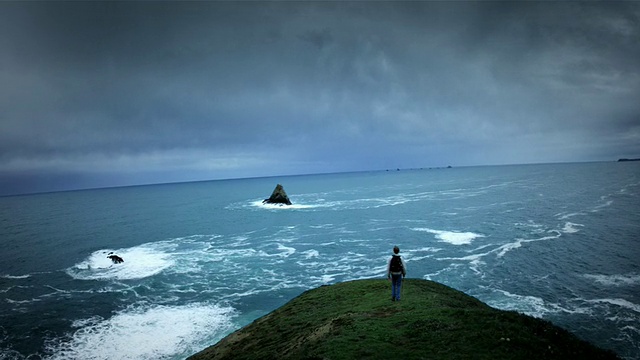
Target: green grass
{"x": 358, "y": 320}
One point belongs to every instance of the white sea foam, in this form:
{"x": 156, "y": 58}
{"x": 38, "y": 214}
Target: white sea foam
{"x": 530, "y": 305}
{"x": 438, "y": 275}
{"x": 15, "y": 276}
{"x": 564, "y": 216}
{"x": 327, "y": 278}
{"x": 294, "y": 206}
{"x": 618, "y": 302}
{"x": 286, "y": 250}
{"x": 139, "y": 262}
{"x": 239, "y": 240}
{"x": 597, "y": 208}
{"x": 538, "y": 307}
{"x": 570, "y": 228}
{"x": 510, "y": 246}
{"x": 474, "y": 265}
{"x": 424, "y": 249}
{"x": 327, "y": 243}
{"x": 311, "y": 265}
{"x": 417, "y": 254}
{"x": 311, "y": 254}
{"x": 20, "y": 302}
{"x": 157, "y": 332}
{"x": 615, "y": 280}
{"x": 452, "y": 237}
{"x": 418, "y": 258}
{"x": 323, "y": 226}
{"x": 606, "y": 204}
{"x": 480, "y": 248}
{"x": 628, "y": 327}
{"x": 518, "y": 243}
{"x": 312, "y": 201}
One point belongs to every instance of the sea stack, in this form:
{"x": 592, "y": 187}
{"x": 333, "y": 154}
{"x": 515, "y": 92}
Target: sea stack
{"x": 278, "y": 197}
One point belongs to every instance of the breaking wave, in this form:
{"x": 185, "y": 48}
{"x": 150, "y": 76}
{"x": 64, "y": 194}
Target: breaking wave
{"x": 143, "y": 333}
{"x": 452, "y": 237}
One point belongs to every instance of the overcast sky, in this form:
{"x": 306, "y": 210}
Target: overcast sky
{"x": 119, "y": 93}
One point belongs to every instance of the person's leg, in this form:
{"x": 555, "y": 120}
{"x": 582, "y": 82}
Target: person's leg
{"x": 393, "y": 288}
{"x": 396, "y": 279}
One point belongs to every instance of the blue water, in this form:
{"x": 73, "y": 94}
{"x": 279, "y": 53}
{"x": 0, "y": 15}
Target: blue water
{"x": 559, "y": 241}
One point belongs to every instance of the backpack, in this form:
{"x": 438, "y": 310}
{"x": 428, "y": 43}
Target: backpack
{"x": 396, "y": 264}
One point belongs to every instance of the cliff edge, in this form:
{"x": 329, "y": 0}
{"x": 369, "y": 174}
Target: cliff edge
{"x": 358, "y": 320}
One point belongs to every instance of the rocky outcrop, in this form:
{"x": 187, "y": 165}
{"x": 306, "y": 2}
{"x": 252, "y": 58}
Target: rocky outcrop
{"x": 115, "y": 258}
{"x": 279, "y": 196}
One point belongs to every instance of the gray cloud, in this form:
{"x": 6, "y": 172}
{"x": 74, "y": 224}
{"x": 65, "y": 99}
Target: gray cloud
{"x": 151, "y": 92}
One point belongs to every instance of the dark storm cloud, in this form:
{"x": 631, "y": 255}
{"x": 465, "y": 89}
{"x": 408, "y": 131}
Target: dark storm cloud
{"x": 137, "y": 92}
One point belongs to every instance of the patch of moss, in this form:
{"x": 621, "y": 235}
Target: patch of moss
{"x": 358, "y": 320}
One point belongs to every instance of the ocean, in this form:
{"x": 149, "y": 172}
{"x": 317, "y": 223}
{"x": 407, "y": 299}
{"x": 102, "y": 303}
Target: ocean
{"x": 555, "y": 241}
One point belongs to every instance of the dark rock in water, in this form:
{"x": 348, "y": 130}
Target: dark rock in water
{"x": 278, "y": 197}
{"x": 115, "y": 258}
{"x": 619, "y": 160}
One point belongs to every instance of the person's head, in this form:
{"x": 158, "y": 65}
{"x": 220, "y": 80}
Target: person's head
{"x": 396, "y": 249}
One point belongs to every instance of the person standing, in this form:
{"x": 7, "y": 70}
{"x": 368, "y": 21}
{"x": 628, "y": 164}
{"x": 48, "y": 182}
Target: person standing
{"x": 396, "y": 271}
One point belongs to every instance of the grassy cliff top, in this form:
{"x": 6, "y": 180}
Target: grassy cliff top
{"x": 358, "y": 320}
